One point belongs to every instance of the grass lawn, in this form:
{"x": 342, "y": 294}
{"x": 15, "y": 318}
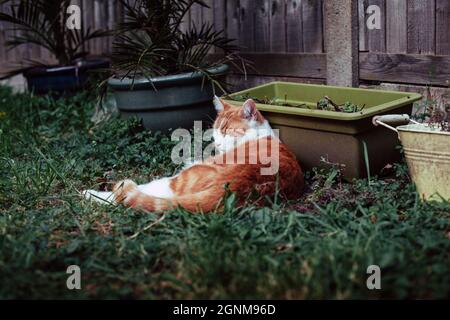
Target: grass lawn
{"x": 317, "y": 247}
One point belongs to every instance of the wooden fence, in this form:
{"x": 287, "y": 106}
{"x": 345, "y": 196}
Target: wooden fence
{"x": 413, "y": 45}
{"x": 285, "y": 39}
{"x": 96, "y": 14}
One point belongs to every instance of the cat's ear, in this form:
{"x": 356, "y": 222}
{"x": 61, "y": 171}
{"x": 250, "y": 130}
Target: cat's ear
{"x": 249, "y": 111}
{"x": 218, "y": 104}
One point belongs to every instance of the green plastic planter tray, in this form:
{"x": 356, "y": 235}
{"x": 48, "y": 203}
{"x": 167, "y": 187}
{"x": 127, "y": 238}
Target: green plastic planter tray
{"x": 335, "y": 136}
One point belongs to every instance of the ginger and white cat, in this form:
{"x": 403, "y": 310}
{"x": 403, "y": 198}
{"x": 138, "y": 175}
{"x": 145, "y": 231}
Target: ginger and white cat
{"x": 200, "y": 187}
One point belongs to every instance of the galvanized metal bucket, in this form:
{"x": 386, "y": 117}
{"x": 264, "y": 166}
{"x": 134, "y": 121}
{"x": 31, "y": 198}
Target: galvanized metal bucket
{"x": 427, "y": 152}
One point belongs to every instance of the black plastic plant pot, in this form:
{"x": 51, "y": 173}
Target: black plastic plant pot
{"x": 63, "y": 79}
{"x": 168, "y": 102}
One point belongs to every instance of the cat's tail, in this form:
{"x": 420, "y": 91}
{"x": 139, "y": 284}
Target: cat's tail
{"x": 127, "y": 193}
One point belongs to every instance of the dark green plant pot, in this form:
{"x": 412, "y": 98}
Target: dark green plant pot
{"x": 63, "y": 80}
{"x": 168, "y": 102}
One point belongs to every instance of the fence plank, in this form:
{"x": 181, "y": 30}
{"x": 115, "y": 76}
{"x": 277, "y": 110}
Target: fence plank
{"x": 262, "y": 30}
{"x": 363, "y": 36}
{"x": 302, "y": 65}
{"x": 186, "y": 23}
{"x": 207, "y": 13}
{"x": 19, "y": 53}
{"x": 88, "y": 21}
{"x": 7, "y": 33}
{"x": 376, "y": 38}
{"x": 11, "y": 53}
{"x": 406, "y": 68}
{"x": 196, "y": 16}
{"x": 112, "y": 20}
{"x": 278, "y": 26}
{"x": 3, "y": 56}
{"x": 396, "y": 26}
{"x": 246, "y": 24}
{"x": 98, "y": 24}
{"x": 421, "y": 26}
{"x": 208, "y": 16}
{"x": 312, "y": 16}
{"x": 443, "y": 27}
{"x": 119, "y": 13}
{"x": 219, "y": 12}
{"x": 105, "y": 24}
{"x": 294, "y": 27}
{"x": 233, "y": 20}
{"x": 119, "y": 18}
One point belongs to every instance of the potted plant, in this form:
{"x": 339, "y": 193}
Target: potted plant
{"x": 43, "y": 23}
{"x": 161, "y": 71}
{"x": 333, "y": 123}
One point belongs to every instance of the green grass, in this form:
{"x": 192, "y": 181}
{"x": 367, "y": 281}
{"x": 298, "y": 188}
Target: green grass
{"x": 317, "y": 247}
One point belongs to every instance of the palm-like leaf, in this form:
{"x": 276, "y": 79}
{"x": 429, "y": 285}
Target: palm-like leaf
{"x": 137, "y": 54}
{"x": 150, "y": 41}
{"x": 195, "y": 44}
{"x": 43, "y": 23}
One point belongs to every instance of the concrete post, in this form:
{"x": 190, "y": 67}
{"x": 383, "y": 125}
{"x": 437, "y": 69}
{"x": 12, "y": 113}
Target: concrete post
{"x": 341, "y": 42}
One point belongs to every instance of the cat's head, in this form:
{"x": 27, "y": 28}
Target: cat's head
{"x": 237, "y": 125}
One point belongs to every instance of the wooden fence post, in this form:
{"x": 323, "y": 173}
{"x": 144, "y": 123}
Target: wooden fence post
{"x": 342, "y": 43}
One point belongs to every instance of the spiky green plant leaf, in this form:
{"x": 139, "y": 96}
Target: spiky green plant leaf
{"x": 43, "y": 23}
